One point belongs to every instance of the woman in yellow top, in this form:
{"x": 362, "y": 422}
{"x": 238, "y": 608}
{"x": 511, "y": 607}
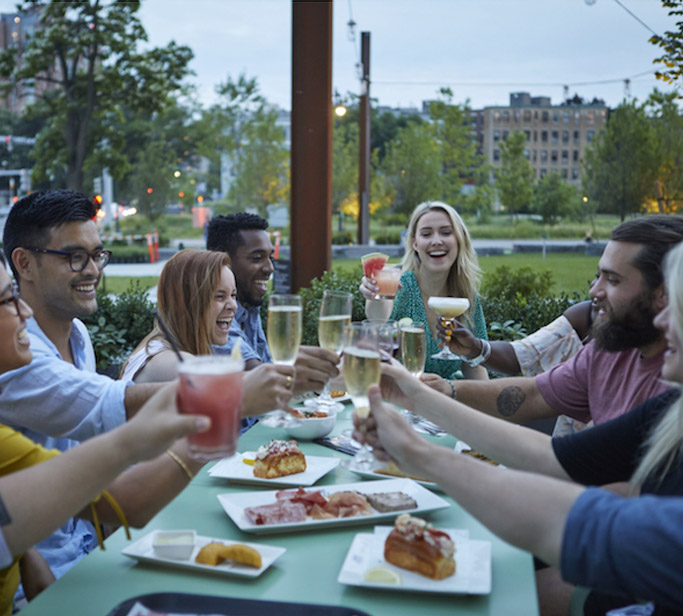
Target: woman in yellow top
{"x": 37, "y": 498}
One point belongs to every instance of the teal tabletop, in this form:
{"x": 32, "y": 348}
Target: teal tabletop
{"x": 306, "y": 573}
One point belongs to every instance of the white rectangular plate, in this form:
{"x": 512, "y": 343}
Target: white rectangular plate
{"x": 237, "y": 471}
{"x": 143, "y": 551}
{"x": 235, "y": 504}
{"x": 299, "y": 400}
{"x": 472, "y": 565}
{"x": 373, "y": 474}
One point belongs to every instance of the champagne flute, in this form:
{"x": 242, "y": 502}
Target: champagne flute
{"x": 335, "y": 316}
{"x": 388, "y": 335}
{"x": 413, "y": 348}
{"x": 361, "y": 371}
{"x": 413, "y": 357}
{"x": 448, "y": 308}
{"x": 284, "y": 338}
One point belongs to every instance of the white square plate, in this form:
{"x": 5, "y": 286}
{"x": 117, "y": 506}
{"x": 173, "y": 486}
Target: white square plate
{"x": 234, "y": 505}
{"x": 372, "y": 473}
{"x": 472, "y": 565}
{"x": 143, "y": 551}
{"x": 238, "y": 471}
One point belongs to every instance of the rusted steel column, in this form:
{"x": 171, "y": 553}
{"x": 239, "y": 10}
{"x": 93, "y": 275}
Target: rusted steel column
{"x": 311, "y": 150}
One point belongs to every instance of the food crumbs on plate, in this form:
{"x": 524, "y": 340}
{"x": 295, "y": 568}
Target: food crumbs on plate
{"x": 383, "y": 575}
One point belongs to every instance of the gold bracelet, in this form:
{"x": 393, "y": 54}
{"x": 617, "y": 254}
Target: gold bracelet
{"x": 178, "y": 460}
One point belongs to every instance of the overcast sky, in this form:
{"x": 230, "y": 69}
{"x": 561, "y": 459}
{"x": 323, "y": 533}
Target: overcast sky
{"x": 418, "y": 46}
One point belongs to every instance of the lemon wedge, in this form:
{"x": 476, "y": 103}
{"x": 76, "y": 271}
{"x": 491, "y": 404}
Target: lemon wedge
{"x": 248, "y": 461}
{"x": 405, "y": 322}
{"x": 384, "y": 575}
{"x": 236, "y": 352}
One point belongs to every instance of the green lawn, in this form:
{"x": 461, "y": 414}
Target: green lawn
{"x": 571, "y": 272}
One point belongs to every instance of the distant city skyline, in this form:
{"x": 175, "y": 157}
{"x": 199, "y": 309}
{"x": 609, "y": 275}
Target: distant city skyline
{"x": 482, "y": 49}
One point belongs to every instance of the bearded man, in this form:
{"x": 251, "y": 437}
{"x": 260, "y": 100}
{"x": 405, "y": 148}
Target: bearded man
{"x": 620, "y": 367}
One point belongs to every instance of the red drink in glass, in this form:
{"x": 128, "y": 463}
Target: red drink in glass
{"x": 211, "y": 385}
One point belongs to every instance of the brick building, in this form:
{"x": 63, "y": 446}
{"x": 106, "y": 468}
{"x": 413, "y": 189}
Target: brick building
{"x": 557, "y": 135}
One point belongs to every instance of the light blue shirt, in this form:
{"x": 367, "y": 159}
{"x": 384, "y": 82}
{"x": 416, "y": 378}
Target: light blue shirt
{"x": 57, "y": 404}
{"x": 247, "y": 326}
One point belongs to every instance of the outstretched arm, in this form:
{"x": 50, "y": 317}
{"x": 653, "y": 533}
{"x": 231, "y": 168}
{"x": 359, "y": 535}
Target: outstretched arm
{"x": 525, "y": 509}
{"x": 37, "y": 500}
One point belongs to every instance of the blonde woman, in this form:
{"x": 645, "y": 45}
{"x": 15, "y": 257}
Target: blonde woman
{"x": 627, "y": 549}
{"x": 439, "y": 261}
{"x": 196, "y": 302}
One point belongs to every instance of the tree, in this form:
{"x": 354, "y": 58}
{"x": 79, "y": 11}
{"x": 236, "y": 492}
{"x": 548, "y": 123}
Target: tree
{"x": 451, "y": 126}
{"x": 413, "y": 166}
{"x": 344, "y": 163}
{"x": 667, "y": 125}
{"x": 672, "y": 44}
{"x": 552, "y": 198}
{"x": 84, "y": 57}
{"x": 619, "y": 165}
{"x": 515, "y": 177}
{"x": 243, "y": 128}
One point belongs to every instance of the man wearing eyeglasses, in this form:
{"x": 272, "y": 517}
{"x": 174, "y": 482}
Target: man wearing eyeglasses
{"x": 54, "y": 250}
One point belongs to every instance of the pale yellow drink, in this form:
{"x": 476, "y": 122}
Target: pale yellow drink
{"x": 284, "y": 333}
{"x": 331, "y": 332}
{"x": 413, "y": 349}
{"x": 449, "y": 307}
{"x": 361, "y": 371}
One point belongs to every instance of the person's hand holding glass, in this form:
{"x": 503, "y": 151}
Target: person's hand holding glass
{"x": 284, "y": 338}
{"x": 361, "y": 370}
{"x": 335, "y": 317}
{"x": 447, "y": 308}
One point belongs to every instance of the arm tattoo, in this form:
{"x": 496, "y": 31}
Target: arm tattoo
{"x": 509, "y": 400}
{"x": 5, "y": 518}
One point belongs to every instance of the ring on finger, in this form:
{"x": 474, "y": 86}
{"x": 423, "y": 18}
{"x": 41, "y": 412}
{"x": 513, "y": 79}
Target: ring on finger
{"x": 288, "y": 382}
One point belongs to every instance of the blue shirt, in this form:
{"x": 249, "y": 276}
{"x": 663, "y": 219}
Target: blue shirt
{"x": 626, "y": 546}
{"x": 57, "y": 404}
{"x": 247, "y": 326}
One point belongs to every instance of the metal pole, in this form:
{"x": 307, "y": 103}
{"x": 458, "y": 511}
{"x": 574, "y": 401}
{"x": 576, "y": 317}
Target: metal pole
{"x": 311, "y": 150}
{"x": 364, "y": 141}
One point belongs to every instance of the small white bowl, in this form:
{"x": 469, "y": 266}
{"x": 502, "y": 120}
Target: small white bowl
{"x": 306, "y": 429}
{"x": 174, "y": 544}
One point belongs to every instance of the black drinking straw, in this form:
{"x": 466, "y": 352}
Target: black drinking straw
{"x": 169, "y": 338}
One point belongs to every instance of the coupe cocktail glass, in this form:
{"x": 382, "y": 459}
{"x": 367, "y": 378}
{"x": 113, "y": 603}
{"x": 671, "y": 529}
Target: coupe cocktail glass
{"x": 448, "y": 308}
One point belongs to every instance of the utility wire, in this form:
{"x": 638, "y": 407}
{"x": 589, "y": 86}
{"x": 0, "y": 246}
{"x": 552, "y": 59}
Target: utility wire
{"x": 510, "y": 84}
{"x": 632, "y": 14}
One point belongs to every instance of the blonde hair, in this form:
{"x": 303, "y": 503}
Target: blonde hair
{"x": 465, "y": 275}
{"x": 666, "y": 439}
{"x": 187, "y": 286}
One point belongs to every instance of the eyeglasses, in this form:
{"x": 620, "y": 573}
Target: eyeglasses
{"x": 78, "y": 259}
{"x": 14, "y": 298}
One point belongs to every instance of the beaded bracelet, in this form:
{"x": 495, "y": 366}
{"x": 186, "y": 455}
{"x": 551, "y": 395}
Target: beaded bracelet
{"x": 454, "y": 392}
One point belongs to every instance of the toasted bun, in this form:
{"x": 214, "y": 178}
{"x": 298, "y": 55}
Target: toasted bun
{"x": 418, "y": 556}
{"x": 279, "y": 465}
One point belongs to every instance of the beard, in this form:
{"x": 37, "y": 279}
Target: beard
{"x": 631, "y": 329}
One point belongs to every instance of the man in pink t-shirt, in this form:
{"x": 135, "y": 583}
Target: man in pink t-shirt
{"x": 619, "y": 369}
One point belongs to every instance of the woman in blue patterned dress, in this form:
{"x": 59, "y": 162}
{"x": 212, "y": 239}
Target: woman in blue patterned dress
{"x": 439, "y": 261}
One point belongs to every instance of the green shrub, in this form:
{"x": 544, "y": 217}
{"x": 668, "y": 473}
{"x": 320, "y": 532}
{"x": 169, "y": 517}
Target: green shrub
{"x": 518, "y": 302}
{"x": 118, "y": 325}
{"x": 389, "y": 237}
{"x": 342, "y": 237}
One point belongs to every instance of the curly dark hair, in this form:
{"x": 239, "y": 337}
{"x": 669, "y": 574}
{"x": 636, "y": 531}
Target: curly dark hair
{"x": 32, "y": 218}
{"x": 224, "y": 232}
{"x": 658, "y": 234}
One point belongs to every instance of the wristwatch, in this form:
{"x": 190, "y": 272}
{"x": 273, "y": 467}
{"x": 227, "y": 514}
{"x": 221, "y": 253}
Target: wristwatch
{"x": 482, "y": 357}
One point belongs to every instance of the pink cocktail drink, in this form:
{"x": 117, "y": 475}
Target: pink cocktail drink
{"x": 388, "y": 279}
{"x": 211, "y": 385}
